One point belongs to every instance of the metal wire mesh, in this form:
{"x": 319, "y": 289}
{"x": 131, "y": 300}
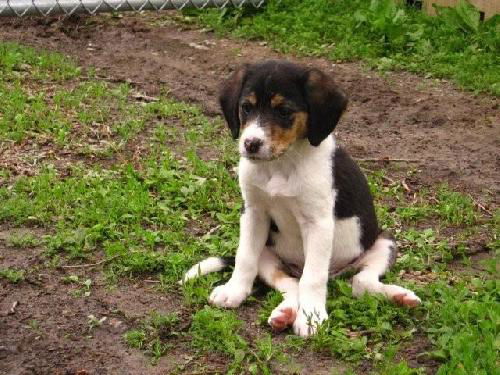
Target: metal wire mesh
{"x": 22, "y": 8}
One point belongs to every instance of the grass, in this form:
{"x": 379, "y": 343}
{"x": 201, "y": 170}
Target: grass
{"x": 466, "y": 326}
{"x": 455, "y": 45}
{"x": 154, "y": 217}
{"x": 44, "y": 97}
{"x": 23, "y": 240}
{"x": 152, "y": 333}
{"x": 12, "y": 275}
{"x": 215, "y": 330}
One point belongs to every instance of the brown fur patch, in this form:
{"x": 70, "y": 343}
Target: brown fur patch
{"x": 252, "y": 98}
{"x": 282, "y": 138}
{"x": 286, "y": 319}
{"x": 315, "y": 77}
{"x": 277, "y": 276}
{"x": 277, "y": 100}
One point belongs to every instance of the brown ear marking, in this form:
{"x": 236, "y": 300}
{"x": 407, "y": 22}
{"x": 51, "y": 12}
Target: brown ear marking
{"x": 230, "y": 96}
{"x": 326, "y": 103}
{"x": 300, "y": 124}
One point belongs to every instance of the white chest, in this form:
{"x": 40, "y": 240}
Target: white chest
{"x": 294, "y": 191}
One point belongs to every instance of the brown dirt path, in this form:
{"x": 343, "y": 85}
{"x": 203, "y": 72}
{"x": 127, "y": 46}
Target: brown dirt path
{"x": 448, "y": 135}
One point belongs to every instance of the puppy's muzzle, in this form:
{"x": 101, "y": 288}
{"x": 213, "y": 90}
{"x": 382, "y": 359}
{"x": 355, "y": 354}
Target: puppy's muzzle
{"x": 252, "y": 145}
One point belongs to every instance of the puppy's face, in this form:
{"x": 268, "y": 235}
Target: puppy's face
{"x": 271, "y": 120}
{"x": 274, "y": 104}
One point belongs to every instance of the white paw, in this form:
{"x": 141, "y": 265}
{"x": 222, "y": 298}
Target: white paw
{"x": 402, "y": 296}
{"x": 283, "y": 315}
{"x": 308, "y": 320}
{"x": 228, "y": 295}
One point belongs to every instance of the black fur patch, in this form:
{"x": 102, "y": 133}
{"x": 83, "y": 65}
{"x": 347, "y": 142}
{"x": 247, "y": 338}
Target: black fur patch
{"x": 229, "y": 99}
{"x": 273, "y": 228}
{"x": 354, "y": 197}
{"x": 270, "y": 241}
{"x": 228, "y": 261}
{"x": 326, "y": 104}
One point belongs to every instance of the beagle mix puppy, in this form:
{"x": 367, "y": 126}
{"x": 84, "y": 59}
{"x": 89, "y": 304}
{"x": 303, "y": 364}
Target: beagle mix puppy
{"x": 308, "y": 212}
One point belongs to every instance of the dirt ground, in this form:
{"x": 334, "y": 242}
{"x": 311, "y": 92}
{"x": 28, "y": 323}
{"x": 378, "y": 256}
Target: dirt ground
{"x": 447, "y": 134}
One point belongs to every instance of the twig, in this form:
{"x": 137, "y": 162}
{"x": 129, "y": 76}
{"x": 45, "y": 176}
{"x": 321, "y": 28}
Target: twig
{"x": 112, "y": 80}
{"x": 405, "y": 186}
{"x": 480, "y": 206}
{"x": 92, "y": 264}
{"x": 212, "y": 230}
{"x": 13, "y": 308}
{"x": 385, "y": 178}
{"x": 389, "y": 180}
{"x": 145, "y": 98}
{"x": 387, "y": 159}
{"x": 152, "y": 281}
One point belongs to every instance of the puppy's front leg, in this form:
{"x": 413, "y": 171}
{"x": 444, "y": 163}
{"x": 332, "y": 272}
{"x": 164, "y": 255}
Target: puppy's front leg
{"x": 254, "y": 228}
{"x": 318, "y": 240}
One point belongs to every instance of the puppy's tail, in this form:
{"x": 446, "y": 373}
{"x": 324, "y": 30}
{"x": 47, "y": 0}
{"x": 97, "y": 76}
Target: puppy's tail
{"x": 209, "y": 265}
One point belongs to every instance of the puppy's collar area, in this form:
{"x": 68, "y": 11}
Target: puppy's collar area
{"x": 287, "y": 175}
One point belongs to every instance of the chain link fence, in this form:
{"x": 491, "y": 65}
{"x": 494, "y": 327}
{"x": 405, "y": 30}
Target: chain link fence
{"x": 20, "y": 8}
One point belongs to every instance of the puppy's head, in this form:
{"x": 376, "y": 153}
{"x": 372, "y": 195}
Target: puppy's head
{"x": 272, "y": 105}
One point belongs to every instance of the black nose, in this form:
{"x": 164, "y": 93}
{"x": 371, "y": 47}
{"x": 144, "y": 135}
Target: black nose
{"x": 252, "y": 145}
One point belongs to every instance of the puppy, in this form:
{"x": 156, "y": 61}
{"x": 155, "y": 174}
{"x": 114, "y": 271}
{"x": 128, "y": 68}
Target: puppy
{"x": 308, "y": 212}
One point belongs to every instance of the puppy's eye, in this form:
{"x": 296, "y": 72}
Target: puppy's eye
{"x": 246, "y": 108}
{"x": 284, "y": 112}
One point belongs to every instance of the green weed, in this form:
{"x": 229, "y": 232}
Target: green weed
{"x": 272, "y": 300}
{"x": 23, "y": 240}
{"x": 455, "y": 208}
{"x": 464, "y": 326}
{"x": 16, "y": 61}
{"x": 12, "y": 275}
{"x": 196, "y": 292}
{"x": 153, "y": 333}
{"x": 85, "y": 285}
{"x": 355, "y": 324}
{"x": 217, "y": 330}
{"x": 390, "y": 366}
{"x": 135, "y": 338}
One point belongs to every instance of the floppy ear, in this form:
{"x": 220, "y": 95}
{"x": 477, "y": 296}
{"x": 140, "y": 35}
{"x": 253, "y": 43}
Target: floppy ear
{"x": 229, "y": 98}
{"x": 326, "y": 104}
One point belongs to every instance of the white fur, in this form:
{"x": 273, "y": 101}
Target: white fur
{"x": 374, "y": 264}
{"x": 212, "y": 264}
{"x": 296, "y": 191}
{"x": 254, "y": 226}
{"x": 255, "y": 131}
{"x": 346, "y": 242}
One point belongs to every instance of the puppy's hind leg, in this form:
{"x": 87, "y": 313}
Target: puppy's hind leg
{"x": 271, "y": 272}
{"x": 374, "y": 263}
